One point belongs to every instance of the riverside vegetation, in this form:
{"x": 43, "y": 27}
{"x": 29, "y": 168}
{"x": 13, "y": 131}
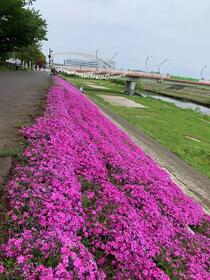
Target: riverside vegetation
{"x": 182, "y": 131}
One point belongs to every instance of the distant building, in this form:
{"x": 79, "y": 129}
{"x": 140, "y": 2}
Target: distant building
{"x": 74, "y": 62}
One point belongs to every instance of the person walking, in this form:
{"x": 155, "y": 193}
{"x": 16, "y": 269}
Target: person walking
{"x": 17, "y": 64}
{"x": 81, "y": 90}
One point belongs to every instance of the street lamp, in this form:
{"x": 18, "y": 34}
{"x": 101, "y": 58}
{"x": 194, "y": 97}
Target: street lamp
{"x": 49, "y": 56}
{"x": 97, "y": 54}
{"x": 97, "y": 57}
{"x": 202, "y": 69}
{"x": 147, "y": 64}
{"x": 161, "y": 64}
{"x": 158, "y": 65}
{"x": 154, "y": 60}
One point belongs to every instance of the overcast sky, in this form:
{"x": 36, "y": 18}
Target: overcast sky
{"x": 178, "y": 30}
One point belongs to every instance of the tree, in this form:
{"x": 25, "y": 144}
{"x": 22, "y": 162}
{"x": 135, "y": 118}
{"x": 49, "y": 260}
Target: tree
{"x": 31, "y": 55}
{"x": 28, "y": 2}
{"x": 20, "y": 26}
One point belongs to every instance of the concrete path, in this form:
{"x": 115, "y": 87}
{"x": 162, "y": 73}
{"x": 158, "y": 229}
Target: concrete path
{"x": 190, "y": 180}
{"x": 121, "y": 101}
{"x": 91, "y": 85}
{"x": 21, "y": 94}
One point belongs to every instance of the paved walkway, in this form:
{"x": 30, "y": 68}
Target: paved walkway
{"x": 121, "y": 101}
{"x": 21, "y": 94}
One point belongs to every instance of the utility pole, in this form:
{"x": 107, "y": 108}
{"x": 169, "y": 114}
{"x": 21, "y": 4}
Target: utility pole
{"x": 202, "y": 69}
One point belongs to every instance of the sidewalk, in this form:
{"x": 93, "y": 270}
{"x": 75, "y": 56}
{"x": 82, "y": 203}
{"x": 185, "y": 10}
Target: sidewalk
{"x": 21, "y": 94}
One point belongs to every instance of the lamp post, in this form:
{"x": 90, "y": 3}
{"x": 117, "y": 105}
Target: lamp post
{"x": 147, "y": 64}
{"x": 97, "y": 51}
{"x": 49, "y": 56}
{"x": 97, "y": 57}
{"x": 202, "y": 69}
{"x": 161, "y": 64}
{"x": 155, "y": 61}
{"x": 158, "y": 65}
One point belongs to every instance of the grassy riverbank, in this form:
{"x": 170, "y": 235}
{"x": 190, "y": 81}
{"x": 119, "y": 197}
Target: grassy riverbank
{"x": 184, "y": 132}
{"x": 196, "y": 93}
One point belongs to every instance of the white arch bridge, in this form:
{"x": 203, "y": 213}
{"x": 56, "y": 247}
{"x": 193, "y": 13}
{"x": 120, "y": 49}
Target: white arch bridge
{"x": 104, "y": 62}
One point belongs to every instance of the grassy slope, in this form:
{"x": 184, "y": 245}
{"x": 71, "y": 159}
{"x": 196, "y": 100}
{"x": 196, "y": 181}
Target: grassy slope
{"x": 184, "y": 78}
{"x": 200, "y": 94}
{"x": 164, "y": 122}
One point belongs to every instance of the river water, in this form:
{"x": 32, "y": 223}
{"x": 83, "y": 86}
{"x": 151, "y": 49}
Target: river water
{"x": 179, "y": 103}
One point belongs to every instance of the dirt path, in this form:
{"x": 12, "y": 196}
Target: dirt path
{"x": 192, "y": 181}
{"x": 21, "y": 94}
{"x": 121, "y": 101}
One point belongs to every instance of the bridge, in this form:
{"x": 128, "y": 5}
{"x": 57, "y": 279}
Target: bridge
{"x": 130, "y": 77}
{"x": 104, "y": 62}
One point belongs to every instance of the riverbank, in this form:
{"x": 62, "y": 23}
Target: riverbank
{"x": 184, "y": 132}
{"x": 179, "y": 102}
{"x": 196, "y": 93}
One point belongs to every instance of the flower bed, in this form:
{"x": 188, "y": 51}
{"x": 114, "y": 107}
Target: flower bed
{"x": 87, "y": 203}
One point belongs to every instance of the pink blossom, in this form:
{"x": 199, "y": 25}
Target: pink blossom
{"x": 2, "y": 269}
{"x": 87, "y": 199}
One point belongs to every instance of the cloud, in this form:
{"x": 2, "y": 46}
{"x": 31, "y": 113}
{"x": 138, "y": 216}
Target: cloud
{"x": 173, "y": 29}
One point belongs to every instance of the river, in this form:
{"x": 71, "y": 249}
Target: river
{"x": 179, "y": 103}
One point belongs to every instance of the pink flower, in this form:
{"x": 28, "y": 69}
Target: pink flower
{"x": 2, "y": 269}
{"x": 20, "y": 259}
{"x": 86, "y": 197}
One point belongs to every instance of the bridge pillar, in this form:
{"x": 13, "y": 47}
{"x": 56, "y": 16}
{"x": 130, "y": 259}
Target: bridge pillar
{"x": 130, "y": 87}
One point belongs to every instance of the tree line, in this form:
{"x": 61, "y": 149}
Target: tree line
{"x": 22, "y": 29}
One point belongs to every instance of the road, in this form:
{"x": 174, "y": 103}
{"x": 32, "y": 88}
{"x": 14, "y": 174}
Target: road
{"x": 21, "y": 94}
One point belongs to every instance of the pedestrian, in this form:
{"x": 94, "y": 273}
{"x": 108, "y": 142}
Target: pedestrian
{"x": 17, "y": 64}
{"x": 53, "y": 71}
{"x": 81, "y": 90}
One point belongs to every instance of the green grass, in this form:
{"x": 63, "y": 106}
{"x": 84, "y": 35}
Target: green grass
{"x": 5, "y": 69}
{"x": 110, "y": 85}
{"x": 184, "y": 78}
{"x": 23, "y": 123}
{"x": 196, "y": 93}
{"x": 163, "y": 121}
{"x": 14, "y": 151}
{"x": 10, "y": 68}
{"x": 9, "y": 152}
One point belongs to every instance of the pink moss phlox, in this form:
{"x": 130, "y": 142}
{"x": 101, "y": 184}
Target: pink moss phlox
{"x": 87, "y": 203}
